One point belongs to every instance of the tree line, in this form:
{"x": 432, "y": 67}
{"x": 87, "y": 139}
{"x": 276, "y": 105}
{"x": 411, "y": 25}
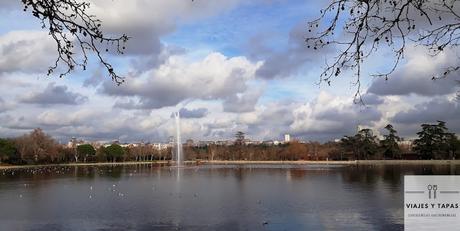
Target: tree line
{"x": 37, "y": 147}
{"x": 434, "y": 142}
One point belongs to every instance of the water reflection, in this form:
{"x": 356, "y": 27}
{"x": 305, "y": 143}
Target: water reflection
{"x": 226, "y": 197}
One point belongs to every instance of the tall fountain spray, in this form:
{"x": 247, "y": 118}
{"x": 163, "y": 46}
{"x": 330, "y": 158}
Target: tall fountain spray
{"x": 179, "y": 157}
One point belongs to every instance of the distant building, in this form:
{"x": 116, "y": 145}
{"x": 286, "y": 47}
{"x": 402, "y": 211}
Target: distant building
{"x": 359, "y": 128}
{"x": 268, "y": 142}
{"x": 160, "y": 146}
{"x": 204, "y": 143}
{"x": 96, "y": 144}
{"x": 73, "y": 142}
{"x": 251, "y": 142}
{"x": 405, "y": 142}
{"x": 405, "y": 145}
{"x": 287, "y": 138}
{"x": 189, "y": 142}
{"x": 224, "y": 142}
{"x": 171, "y": 140}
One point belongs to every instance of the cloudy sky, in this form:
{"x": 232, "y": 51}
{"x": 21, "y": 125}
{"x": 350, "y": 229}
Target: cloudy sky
{"x": 227, "y": 66}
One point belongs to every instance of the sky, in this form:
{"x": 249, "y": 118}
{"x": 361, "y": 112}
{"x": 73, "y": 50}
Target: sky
{"x": 226, "y": 66}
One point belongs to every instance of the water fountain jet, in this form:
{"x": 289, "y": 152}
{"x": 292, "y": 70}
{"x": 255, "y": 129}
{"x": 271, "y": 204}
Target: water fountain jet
{"x": 178, "y": 148}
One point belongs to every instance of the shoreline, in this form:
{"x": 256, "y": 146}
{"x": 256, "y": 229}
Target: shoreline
{"x": 2, "y": 167}
{"x": 338, "y": 162}
{"x": 247, "y": 162}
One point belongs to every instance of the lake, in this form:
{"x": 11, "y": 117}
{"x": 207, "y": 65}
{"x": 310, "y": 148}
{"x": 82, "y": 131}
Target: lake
{"x": 207, "y": 197}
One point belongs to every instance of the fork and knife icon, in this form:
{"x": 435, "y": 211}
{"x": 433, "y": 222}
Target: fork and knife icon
{"x": 433, "y": 188}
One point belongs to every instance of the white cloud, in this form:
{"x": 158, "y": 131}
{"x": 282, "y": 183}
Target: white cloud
{"x": 219, "y": 93}
{"x": 3, "y": 106}
{"x": 54, "y": 94}
{"x": 330, "y": 116}
{"x": 26, "y": 51}
{"x": 146, "y": 21}
{"x": 214, "y": 77}
{"x": 242, "y": 102}
{"x": 415, "y": 76}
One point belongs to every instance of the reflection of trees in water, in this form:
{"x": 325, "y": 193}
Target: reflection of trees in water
{"x": 239, "y": 174}
{"x": 41, "y": 177}
{"x": 297, "y": 174}
{"x": 432, "y": 169}
{"x": 392, "y": 175}
{"x": 369, "y": 178}
{"x": 365, "y": 175}
{"x": 84, "y": 172}
{"x": 49, "y": 172}
{"x": 115, "y": 171}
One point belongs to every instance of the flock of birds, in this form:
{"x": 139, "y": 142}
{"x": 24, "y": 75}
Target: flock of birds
{"x": 31, "y": 177}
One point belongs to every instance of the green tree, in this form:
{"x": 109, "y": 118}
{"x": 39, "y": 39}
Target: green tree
{"x": 454, "y": 146}
{"x": 8, "y": 152}
{"x": 363, "y": 145}
{"x": 66, "y": 154}
{"x": 368, "y": 145}
{"x": 433, "y": 141}
{"x": 101, "y": 154}
{"x": 425, "y": 144}
{"x": 85, "y": 150}
{"x": 114, "y": 152}
{"x": 390, "y": 143}
{"x": 349, "y": 144}
{"x": 239, "y": 138}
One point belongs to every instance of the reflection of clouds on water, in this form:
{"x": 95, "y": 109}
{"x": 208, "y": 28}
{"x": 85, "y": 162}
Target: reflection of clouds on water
{"x": 345, "y": 220}
{"x": 218, "y": 197}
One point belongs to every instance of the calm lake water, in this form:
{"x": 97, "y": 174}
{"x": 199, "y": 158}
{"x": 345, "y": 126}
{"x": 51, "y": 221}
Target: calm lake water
{"x": 207, "y": 197}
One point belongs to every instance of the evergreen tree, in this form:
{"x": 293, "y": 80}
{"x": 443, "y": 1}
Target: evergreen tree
{"x": 390, "y": 143}
{"x": 85, "y": 150}
{"x": 433, "y": 141}
{"x": 239, "y": 138}
{"x": 368, "y": 145}
{"x": 114, "y": 152}
{"x": 8, "y": 152}
{"x": 453, "y": 146}
{"x": 363, "y": 145}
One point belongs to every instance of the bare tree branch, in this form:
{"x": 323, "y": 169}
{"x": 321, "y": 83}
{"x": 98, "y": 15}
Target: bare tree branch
{"x": 358, "y": 28}
{"x": 75, "y": 33}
